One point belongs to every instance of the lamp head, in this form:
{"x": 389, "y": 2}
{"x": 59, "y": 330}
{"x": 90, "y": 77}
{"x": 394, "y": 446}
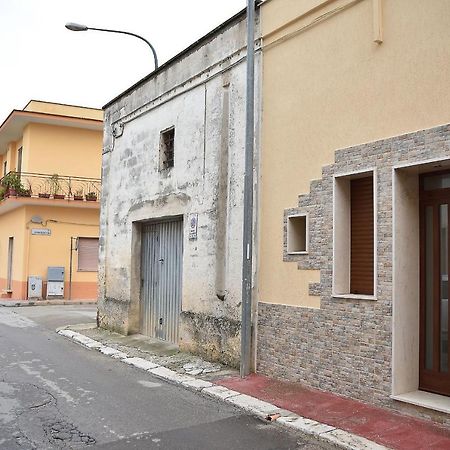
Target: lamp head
{"x": 76, "y": 27}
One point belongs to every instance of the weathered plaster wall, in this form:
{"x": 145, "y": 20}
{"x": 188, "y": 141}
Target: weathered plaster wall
{"x": 202, "y": 95}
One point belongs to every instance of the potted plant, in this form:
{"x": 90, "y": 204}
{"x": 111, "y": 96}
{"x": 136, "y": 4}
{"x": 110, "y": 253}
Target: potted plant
{"x": 2, "y": 192}
{"x": 91, "y": 197}
{"x": 78, "y": 195}
{"x": 55, "y": 187}
{"x": 25, "y": 192}
{"x": 11, "y": 183}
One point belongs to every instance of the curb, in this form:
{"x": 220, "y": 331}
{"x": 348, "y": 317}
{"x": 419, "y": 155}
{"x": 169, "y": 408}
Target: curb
{"x": 326, "y": 433}
{"x": 15, "y": 303}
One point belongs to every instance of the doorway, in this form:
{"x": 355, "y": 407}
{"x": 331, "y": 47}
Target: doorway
{"x": 161, "y": 278}
{"x": 434, "y": 374}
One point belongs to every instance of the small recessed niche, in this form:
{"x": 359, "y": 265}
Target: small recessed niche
{"x": 297, "y": 234}
{"x": 166, "y": 149}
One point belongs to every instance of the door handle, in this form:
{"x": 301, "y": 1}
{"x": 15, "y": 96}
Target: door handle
{"x": 161, "y": 260}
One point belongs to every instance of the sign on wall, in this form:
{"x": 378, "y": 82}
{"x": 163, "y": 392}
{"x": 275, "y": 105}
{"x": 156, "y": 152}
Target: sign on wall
{"x": 41, "y": 231}
{"x": 193, "y": 223}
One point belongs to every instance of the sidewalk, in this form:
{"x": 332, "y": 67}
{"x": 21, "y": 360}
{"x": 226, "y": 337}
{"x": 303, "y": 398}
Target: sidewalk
{"x": 337, "y": 420}
{"x": 379, "y": 425}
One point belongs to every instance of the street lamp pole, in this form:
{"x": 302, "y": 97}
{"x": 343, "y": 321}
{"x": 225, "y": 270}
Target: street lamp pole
{"x": 247, "y": 237}
{"x": 78, "y": 27}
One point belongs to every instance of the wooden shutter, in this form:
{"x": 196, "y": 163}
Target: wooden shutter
{"x": 88, "y": 254}
{"x": 362, "y": 245}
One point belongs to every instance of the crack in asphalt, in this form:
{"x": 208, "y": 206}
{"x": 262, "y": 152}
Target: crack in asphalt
{"x": 43, "y": 425}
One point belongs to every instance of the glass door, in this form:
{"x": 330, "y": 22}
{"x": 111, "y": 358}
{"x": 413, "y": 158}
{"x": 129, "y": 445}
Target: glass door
{"x": 434, "y": 314}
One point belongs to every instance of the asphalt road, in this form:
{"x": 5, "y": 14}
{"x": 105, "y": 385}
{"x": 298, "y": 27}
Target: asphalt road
{"x": 56, "y": 394}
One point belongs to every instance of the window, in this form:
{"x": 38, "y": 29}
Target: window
{"x": 19, "y": 160}
{"x": 87, "y": 254}
{"x": 361, "y": 230}
{"x": 297, "y": 234}
{"x": 166, "y": 149}
{"x": 354, "y": 235}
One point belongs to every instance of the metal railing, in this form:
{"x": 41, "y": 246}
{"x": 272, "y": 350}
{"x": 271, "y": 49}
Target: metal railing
{"x": 55, "y": 186}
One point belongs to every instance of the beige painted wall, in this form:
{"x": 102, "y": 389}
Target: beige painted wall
{"x": 34, "y": 253}
{"x": 62, "y": 150}
{"x": 328, "y": 85}
{"x": 10, "y": 227}
{"x": 54, "y": 250}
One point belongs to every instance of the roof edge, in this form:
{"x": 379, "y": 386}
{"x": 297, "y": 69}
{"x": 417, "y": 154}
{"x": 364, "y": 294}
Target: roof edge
{"x": 234, "y": 19}
{"x": 47, "y": 115}
{"x": 62, "y": 104}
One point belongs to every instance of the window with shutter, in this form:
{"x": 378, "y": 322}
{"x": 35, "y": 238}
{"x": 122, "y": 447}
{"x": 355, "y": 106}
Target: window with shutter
{"x": 362, "y": 244}
{"x": 87, "y": 254}
{"x": 354, "y": 245}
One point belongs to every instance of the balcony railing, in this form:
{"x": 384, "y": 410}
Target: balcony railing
{"x": 39, "y": 185}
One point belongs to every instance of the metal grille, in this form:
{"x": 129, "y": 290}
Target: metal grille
{"x": 167, "y": 148}
{"x": 161, "y": 267}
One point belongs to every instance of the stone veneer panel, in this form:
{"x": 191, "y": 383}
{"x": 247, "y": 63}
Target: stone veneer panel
{"x": 345, "y": 346}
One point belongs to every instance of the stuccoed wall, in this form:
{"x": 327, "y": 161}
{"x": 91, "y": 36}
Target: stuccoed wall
{"x": 202, "y": 94}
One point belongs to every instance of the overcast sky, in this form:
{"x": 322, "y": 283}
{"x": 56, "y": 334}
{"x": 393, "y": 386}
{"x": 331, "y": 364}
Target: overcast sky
{"x": 42, "y": 60}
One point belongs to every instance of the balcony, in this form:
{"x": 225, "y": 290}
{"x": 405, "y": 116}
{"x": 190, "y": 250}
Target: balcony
{"x": 56, "y": 187}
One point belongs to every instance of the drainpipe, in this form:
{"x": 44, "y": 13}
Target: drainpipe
{"x": 72, "y": 248}
{"x": 247, "y": 238}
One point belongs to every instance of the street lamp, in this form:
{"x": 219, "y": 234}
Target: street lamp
{"x": 78, "y": 27}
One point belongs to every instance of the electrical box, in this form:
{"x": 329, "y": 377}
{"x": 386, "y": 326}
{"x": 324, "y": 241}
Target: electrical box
{"x": 35, "y": 288}
{"x": 55, "y": 282}
{"x": 55, "y": 274}
{"x": 55, "y": 289}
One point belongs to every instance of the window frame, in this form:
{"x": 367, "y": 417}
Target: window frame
{"x": 293, "y": 216}
{"x": 78, "y": 253}
{"x": 342, "y": 235}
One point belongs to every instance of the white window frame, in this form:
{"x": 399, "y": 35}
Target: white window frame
{"x": 302, "y": 252}
{"x": 342, "y": 234}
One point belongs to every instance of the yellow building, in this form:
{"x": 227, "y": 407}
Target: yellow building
{"x": 355, "y": 163}
{"x": 50, "y": 159}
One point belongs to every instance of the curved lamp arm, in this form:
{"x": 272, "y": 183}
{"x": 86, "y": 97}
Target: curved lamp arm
{"x": 77, "y": 27}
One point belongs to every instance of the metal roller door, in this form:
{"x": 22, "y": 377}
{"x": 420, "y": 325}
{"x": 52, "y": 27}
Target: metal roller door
{"x": 161, "y": 267}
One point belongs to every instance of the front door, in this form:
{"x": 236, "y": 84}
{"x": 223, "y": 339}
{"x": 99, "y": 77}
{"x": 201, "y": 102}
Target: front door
{"x": 161, "y": 270}
{"x": 434, "y": 268}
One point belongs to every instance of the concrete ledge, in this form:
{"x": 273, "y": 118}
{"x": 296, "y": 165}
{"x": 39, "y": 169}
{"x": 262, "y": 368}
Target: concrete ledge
{"x": 140, "y": 363}
{"x": 425, "y": 400}
{"x": 253, "y": 405}
{"x": 109, "y": 351}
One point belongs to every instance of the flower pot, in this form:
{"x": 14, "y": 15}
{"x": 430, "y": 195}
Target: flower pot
{"x": 78, "y": 197}
{"x": 11, "y": 193}
{"x": 91, "y": 199}
{"x": 59, "y": 196}
{"x": 44, "y": 195}
{"x": 25, "y": 194}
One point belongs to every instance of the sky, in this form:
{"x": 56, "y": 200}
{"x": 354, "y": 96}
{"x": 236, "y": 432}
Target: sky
{"x": 42, "y": 60}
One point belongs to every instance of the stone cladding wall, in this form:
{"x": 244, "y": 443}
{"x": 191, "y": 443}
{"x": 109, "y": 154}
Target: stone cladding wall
{"x": 345, "y": 347}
